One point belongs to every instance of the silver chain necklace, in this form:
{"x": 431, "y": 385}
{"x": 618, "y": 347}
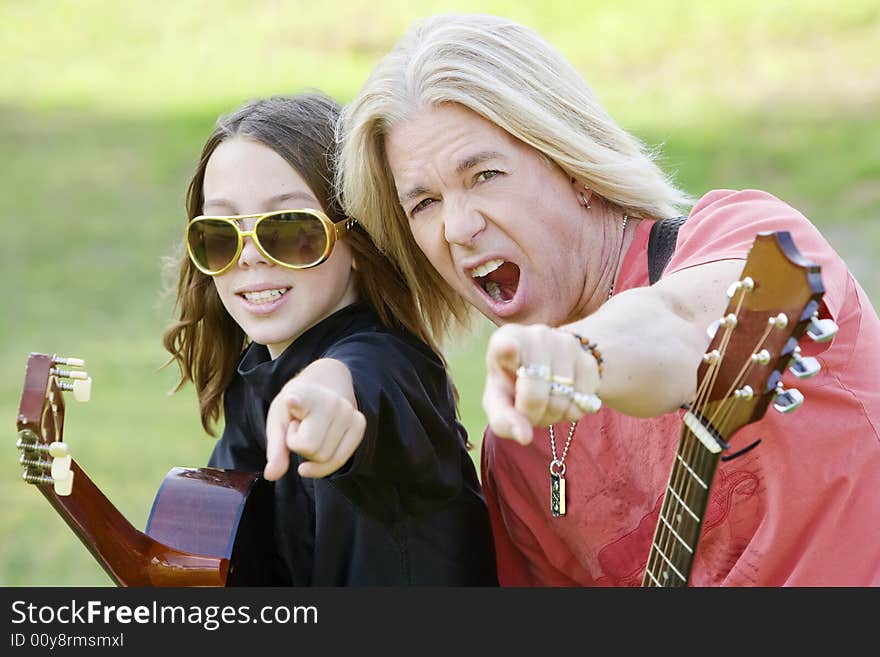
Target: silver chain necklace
{"x": 557, "y": 465}
{"x": 619, "y": 253}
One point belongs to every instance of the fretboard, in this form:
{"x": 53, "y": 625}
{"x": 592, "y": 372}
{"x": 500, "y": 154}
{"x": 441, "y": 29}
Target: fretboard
{"x": 684, "y": 505}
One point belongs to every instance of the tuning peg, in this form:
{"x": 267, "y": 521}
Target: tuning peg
{"x": 803, "y": 367}
{"x": 821, "y": 330}
{"x": 64, "y": 486}
{"x": 728, "y": 321}
{"x": 60, "y": 454}
{"x": 745, "y": 392}
{"x": 82, "y": 388}
{"x": 70, "y": 362}
{"x": 788, "y": 400}
{"x": 713, "y": 328}
{"x": 762, "y": 357}
{"x": 71, "y": 374}
{"x": 58, "y": 449}
{"x": 746, "y": 284}
{"x": 60, "y": 467}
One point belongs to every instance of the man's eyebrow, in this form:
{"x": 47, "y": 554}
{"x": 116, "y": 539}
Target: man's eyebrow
{"x": 471, "y": 161}
{"x": 468, "y": 162}
{"x": 413, "y": 193}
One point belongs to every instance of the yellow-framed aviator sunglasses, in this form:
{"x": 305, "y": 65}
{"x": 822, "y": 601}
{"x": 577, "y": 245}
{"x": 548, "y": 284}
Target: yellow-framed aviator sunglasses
{"x": 296, "y": 239}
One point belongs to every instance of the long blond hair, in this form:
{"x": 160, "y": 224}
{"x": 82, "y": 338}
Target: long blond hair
{"x": 510, "y": 76}
{"x": 204, "y": 340}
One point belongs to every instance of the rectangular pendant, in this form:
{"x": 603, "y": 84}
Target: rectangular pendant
{"x": 557, "y": 495}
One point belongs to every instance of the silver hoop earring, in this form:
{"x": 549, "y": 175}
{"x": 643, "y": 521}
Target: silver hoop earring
{"x": 585, "y": 201}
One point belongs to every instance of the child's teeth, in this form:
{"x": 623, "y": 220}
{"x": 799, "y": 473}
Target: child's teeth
{"x": 263, "y": 296}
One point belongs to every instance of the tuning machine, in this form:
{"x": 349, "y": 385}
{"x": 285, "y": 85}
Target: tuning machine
{"x": 787, "y": 400}
{"x": 803, "y": 367}
{"x": 821, "y": 330}
{"x": 73, "y": 380}
{"x": 729, "y": 322}
{"x": 36, "y": 467}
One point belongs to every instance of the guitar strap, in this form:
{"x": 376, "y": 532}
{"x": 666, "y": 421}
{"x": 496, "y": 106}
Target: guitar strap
{"x": 661, "y": 245}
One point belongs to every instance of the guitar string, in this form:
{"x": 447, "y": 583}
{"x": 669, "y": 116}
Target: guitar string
{"x": 694, "y": 457}
{"x": 725, "y": 410}
{"x": 669, "y": 544}
{"x": 695, "y": 454}
{"x": 680, "y": 481}
{"x": 725, "y": 341}
{"x": 702, "y": 460}
{"x": 662, "y": 535}
{"x": 703, "y": 454}
{"x": 741, "y": 376}
{"x": 691, "y": 453}
{"x": 690, "y": 445}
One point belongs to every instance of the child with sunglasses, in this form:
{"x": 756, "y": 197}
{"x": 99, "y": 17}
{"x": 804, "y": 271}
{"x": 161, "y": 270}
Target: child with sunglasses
{"x": 308, "y": 339}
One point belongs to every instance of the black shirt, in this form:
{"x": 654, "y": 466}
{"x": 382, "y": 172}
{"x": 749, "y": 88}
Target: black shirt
{"x": 407, "y": 508}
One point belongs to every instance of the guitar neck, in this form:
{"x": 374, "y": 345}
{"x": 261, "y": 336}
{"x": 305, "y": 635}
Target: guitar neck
{"x": 128, "y": 556}
{"x": 681, "y": 515}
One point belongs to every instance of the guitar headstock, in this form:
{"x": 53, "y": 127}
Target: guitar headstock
{"x": 45, "y": 456}
{"x": 773, "y": 304}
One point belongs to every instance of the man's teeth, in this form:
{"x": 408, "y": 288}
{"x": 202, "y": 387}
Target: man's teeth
{"x": 486, "y": 268}
{"x": 494, "y": 291}
{"x": 264, "y": 295}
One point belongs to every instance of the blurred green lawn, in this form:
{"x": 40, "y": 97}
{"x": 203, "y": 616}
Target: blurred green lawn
{"x": 103, "y": 111}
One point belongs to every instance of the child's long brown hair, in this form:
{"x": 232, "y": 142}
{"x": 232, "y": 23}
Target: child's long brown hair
{"x": 205, "y": 341}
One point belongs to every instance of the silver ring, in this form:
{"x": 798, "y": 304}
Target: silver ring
{"x": 561, "y": 389}
{"x": 534, "y": 371}
{"x": 587, "y": 402}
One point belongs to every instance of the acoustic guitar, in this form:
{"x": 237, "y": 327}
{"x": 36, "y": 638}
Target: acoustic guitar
{"x": 207, "y": 527}
{"x": 770, "y": 308}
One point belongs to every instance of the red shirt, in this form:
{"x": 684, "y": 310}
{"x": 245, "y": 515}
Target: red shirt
{"x": 801, "y": 509}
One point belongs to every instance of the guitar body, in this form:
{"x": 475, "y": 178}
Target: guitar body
{"x": 222, "y": 513}
{"x": 208, "y": 527}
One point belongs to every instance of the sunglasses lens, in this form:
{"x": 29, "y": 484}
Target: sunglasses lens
{"x": 212, "y": 243}
{"x": 295, "y": 238}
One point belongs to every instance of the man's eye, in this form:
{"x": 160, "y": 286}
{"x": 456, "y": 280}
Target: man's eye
{"x": 483, "y": 176}
{"x": 421, "y": 205}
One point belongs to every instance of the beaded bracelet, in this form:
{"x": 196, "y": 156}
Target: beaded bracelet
{"x": 591, "y": 348}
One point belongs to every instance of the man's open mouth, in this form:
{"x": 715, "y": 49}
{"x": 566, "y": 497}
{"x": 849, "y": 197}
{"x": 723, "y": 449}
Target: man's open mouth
{"x": 498, "y": 278}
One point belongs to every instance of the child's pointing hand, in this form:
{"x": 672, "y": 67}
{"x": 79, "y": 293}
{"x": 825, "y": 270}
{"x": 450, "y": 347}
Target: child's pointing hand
{"x": 314, "y": 415}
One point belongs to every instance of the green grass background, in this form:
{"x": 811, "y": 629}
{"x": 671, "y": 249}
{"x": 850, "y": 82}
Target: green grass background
{"x": 104, "y": 106}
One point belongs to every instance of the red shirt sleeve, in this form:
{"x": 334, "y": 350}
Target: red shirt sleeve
{"x": 723, "y": 225}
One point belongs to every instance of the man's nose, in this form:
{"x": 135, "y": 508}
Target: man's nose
{"x": 462, "y": 223}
